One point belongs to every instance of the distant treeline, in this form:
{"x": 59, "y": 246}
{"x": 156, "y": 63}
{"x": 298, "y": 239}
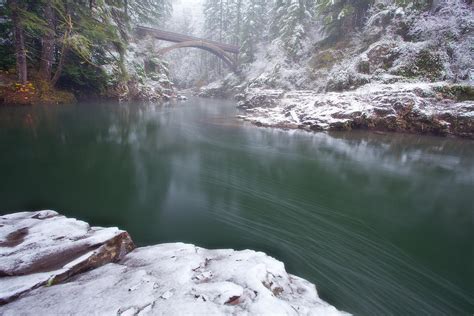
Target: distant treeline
{"x": 250, "y": 22}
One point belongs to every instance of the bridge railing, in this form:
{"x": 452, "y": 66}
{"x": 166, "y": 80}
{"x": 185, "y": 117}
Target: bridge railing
{"x": 179, "y": 38}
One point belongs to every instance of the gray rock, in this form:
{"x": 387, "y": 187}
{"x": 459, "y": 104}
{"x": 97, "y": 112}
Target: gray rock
{"x": 39, "y": 248}
{"x": 420, "y": 107}
{"x": 179, "y": 279}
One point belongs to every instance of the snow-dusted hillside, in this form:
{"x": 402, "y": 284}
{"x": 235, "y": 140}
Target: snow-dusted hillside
{"x": 396, "y": 44}
{"x": 402, "y": 62}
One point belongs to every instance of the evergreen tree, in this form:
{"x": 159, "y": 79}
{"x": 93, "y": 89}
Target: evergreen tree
{"x": 255, "y": 23}
{"x": 48, "y": 32}
{"x": 15, "y": 9}
{"x": 240, "y": 22}
{"x": 212, "y": 19}
{"x": 222, "y": 23}
{"x": 290, "y": 19}
{"x": 48, "y": 43}
{"x": 342, "y": 17}
{"x": 148, "y": 11}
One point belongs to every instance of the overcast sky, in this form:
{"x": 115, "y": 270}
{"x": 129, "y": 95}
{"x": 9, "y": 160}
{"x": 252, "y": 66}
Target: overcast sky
{"x": 191, "y": 9}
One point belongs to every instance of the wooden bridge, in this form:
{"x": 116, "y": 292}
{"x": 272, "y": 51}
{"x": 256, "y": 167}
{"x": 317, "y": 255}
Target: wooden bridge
{"x": 227, "y": 52}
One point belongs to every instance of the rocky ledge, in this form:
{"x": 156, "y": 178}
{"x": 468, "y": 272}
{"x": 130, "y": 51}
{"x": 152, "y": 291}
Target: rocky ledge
{"x": 53, "y": 264}
{"x": 44, "y": 248}
{"x": 427, "y": 108}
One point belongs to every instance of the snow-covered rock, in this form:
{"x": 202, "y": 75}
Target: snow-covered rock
{"x": 39, "y": 248}
{"x": 434, "y": 108}
{"x": 226, "y": 87}
{"x": 167, "y": 279}
{"x": 180, "y": 279}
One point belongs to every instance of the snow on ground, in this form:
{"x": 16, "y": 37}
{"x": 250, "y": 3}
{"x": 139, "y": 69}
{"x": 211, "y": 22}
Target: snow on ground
{"x": 167, "y": 279}
{"x": 37, "y": 248}
{"x": 399, "y": 106}
{"x": 180, "y": 279}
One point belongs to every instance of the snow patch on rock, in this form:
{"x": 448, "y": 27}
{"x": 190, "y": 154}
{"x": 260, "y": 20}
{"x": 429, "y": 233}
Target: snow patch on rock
{"x": 412, "y": 107}
{"x": 38, "y": 248}
{"x": 167, "y": 279}
{"x": 180, "y": 279}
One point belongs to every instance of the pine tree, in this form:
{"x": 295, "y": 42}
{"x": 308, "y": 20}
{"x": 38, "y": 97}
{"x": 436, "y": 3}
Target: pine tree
{"x": 148, "y": 11}
{"x": 342, "y": 17}
{"x": 254, "y": 26}
{"x": 290, "y": 19}
{"x": 48, "y": 43}
{"x": 218, "y": 21}
{"x": 93, "y": 31}
{"x": 19, "y": 42}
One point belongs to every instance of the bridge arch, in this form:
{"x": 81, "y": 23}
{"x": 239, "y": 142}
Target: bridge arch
{"x": 213, "y": 49}
{"x": 222, "y": 50}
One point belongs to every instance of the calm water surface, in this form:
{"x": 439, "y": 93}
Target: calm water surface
{"x": 383, "y": 224}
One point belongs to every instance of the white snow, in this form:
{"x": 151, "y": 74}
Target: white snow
{"x": 167, "y": 279}
{"x": 47, "y": 245}
{"x": 180, "y": 279}
{"x": 326, "y": 110}
{"x": 447, "y": 34}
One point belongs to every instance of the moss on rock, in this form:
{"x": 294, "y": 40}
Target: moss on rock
{"x": 348, "y": 82}
{"x": 382, "y": 56}
{"x": 456, "y": 92}
{"x": 426, "y": 64}
{"x": 325, "y": 59}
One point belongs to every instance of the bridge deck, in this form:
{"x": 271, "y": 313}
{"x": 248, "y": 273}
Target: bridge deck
{"x": 179, "y": 38}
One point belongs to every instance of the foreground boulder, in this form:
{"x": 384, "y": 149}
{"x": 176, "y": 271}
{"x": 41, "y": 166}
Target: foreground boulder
{"x": 39, "y": 248}
{"x": 427, "y": 108}
{"x": 39, "y": 251}
{"x": 179, "y": 279}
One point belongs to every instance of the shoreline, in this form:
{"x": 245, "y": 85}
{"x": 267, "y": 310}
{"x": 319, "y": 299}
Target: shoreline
{"x": 413, "y": 108}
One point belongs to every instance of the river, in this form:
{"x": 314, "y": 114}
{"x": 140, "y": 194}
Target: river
{"x": 383, "y": 224}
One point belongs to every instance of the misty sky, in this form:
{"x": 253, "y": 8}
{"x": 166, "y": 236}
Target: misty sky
{"x": 191, "y": 9}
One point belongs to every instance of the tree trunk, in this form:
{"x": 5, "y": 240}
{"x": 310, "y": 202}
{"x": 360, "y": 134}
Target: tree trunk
{"x": 60, "y": 67}
{"x": 64, "y": 51}
{"x": 239, "y": 18}
{"x": 20, "y": 52}
{"x": 221, "y": 29}
{"x": 47, "y": 52}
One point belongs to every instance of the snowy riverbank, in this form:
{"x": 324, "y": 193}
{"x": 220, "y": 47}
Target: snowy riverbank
{"x": 431, "y": 108}
{"x": 42, "y": 249}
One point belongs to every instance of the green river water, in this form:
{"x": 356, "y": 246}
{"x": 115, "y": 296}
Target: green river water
{"x": 382, "y": 224}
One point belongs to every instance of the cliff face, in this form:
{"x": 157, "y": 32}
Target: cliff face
{"x": 40, "y": 250}
{"x": 405, "y": 71}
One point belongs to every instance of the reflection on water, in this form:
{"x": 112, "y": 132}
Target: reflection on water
{"x": 382, "y": 223}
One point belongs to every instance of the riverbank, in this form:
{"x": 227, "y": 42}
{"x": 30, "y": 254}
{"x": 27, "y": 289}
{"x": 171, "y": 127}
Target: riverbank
{"x": 404, "y": 69}
{"x": 440, "y": 109}
{"x": 32, "y": 93}
{"x": 105, "y": 273}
